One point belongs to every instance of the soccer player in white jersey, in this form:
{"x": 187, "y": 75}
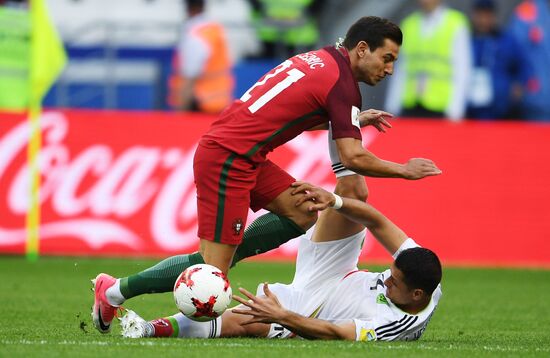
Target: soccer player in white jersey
{"x": 329, "y": 297}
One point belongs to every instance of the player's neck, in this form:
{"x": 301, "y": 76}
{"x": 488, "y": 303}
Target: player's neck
{"x": 414, "y": 308}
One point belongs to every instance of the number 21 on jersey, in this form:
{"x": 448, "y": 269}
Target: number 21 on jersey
{"x": 293, "y": 76}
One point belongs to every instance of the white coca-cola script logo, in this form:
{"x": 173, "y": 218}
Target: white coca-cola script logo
{"x": 95, "y": 192}
{"x": 122, "y": 186}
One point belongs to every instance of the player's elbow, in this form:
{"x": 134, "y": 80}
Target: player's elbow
{"x": 353, "y": 162}
{"x": 344, "y": 333}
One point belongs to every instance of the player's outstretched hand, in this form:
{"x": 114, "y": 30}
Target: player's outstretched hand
{"x": 264, "y": 309}
{"x": 375, "y": 118}
{"x": 320, "y": 198}
{"x": 418, "y": 168}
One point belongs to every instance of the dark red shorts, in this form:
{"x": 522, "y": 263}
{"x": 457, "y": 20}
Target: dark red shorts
{"x": 229, "y": 184}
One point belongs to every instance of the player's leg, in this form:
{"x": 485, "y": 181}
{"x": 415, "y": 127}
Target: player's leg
{"x": 221, "y": 197}
{"x": 285, "y": 221}
{"x": 111, "y": 292}
{"x": 331, "y": 225}
{"x": 223, "y": 201}
{"x": 179, "y": 326}
{"x": 265, "y": 233}
{"x": 336, "y": 242}
{"x": 217, "y": 254}
{"x": 228, "y": 325}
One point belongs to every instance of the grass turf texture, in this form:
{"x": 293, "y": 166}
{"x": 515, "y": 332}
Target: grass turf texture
{"x": 45, "y": 312}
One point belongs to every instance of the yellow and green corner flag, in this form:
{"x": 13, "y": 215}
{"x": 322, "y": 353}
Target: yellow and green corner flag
{"x": 47, "y": 59}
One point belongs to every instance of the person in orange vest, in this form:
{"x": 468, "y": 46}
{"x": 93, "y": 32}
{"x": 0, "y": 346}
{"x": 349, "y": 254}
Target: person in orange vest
{"x": 201, "y": 78}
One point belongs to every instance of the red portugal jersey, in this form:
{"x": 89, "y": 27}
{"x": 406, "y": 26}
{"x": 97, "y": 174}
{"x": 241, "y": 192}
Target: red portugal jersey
{"x": 304, "y": 91}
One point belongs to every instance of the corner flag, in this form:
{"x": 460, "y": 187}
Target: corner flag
{"x": 48, "y": 58}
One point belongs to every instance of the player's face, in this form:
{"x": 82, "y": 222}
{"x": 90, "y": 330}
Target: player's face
{"x": 396, "y": 288}
{"x": 376, "y": 65}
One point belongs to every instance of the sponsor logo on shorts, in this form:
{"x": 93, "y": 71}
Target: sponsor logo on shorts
{"x": 237, "y": 226}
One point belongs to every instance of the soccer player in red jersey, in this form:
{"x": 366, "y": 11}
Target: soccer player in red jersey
{"x": 232, "y": 173}
{"x": 306, "y": 91}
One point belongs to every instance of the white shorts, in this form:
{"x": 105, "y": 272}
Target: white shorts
{"x": 319, "y": 267}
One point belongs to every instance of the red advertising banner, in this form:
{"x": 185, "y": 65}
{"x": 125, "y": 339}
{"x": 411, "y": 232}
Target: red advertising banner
{"x": 121, "y": 184}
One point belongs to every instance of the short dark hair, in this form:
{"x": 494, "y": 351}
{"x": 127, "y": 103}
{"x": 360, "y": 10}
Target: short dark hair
{"x": 194, "y": 4}
{"x": 488, "y": 5}
{"x": 373, "y": 30}
{"x": 420, "y": 267}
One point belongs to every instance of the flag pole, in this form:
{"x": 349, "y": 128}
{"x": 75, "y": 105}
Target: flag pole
{"x": 33, "y": 212}
{"x": 47, "y": 59}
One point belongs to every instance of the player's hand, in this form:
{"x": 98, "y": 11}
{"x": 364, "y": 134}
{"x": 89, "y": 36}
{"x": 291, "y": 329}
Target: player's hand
{"x": 320, "y": 198}
{"x": 375, "y": 118}
{"x": 418, "y": 168}
{"x": 264, "y": 309}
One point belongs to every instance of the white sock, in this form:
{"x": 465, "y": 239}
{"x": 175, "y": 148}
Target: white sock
{"x": 192, "y": 329}
{"x": 337, "y": 167}
{"x": 113, "y": 294}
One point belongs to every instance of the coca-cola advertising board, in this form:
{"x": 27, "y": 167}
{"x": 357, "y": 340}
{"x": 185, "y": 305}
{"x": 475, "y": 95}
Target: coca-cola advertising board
{"x": 121, "y": 184}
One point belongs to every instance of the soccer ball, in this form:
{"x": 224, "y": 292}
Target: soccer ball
{"x": 202, "y": 292}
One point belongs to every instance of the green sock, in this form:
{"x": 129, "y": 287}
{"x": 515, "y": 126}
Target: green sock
{"x": 266, "y": 233}
{"x": 159, "y": 278}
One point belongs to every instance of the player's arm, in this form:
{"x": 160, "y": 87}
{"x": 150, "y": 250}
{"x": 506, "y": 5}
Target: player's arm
{"x": 355, "y": 158}
{"x": 370, "y": 117}
{"x": 345, "y": 124}
{"x": 322, "y": 126}
{"x": 382, "y": 228}
{"x": 267, "y": 309}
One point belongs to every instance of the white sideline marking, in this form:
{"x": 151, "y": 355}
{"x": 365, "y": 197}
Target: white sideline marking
{"x": 224, "y": 343}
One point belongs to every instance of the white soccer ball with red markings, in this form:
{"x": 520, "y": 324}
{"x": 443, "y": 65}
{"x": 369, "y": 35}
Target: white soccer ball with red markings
{"x": 202, "y": 292}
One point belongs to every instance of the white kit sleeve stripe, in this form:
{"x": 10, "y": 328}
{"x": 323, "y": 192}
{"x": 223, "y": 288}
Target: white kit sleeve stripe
{"x": 403, "y": 327}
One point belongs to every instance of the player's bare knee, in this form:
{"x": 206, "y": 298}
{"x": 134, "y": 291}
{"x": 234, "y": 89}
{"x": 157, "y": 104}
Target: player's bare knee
{"x": 285, "y": 205}
{"x": 303, "y": 217}
{"x": 216, "y": 254}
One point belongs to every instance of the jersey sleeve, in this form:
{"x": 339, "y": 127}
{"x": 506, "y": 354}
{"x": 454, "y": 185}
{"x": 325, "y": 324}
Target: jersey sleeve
{"x": 398, "y": 328}
{"x": 408, "y": 244}
{"x": 365, "y": 330}
{"x": 342, "y": 113}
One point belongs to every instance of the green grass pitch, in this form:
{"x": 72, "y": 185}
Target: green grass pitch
{"x": 45, "y": 312}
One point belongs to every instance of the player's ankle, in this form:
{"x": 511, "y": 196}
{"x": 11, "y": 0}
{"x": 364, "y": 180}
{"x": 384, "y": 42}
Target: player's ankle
{"x": 114, "y": 295}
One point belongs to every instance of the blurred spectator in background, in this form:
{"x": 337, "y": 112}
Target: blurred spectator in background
{"x": 202, "y": 79}
{"x": 434, "y": 67}
{"x": 496, "y": 63}
{"x": 14, "y": 55}
{"x": 530, "y": 27}
{"x": 286, "y": 27}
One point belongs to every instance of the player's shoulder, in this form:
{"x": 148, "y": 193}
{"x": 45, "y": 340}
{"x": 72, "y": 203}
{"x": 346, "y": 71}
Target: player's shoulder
{"x": 318, "y": 62}
{"x": 320, "y": 68}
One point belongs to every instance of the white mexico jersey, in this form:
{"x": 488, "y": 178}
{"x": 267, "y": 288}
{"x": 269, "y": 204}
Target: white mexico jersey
{"x": 361, "y": 296}
{"x": 327, "y": 285}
